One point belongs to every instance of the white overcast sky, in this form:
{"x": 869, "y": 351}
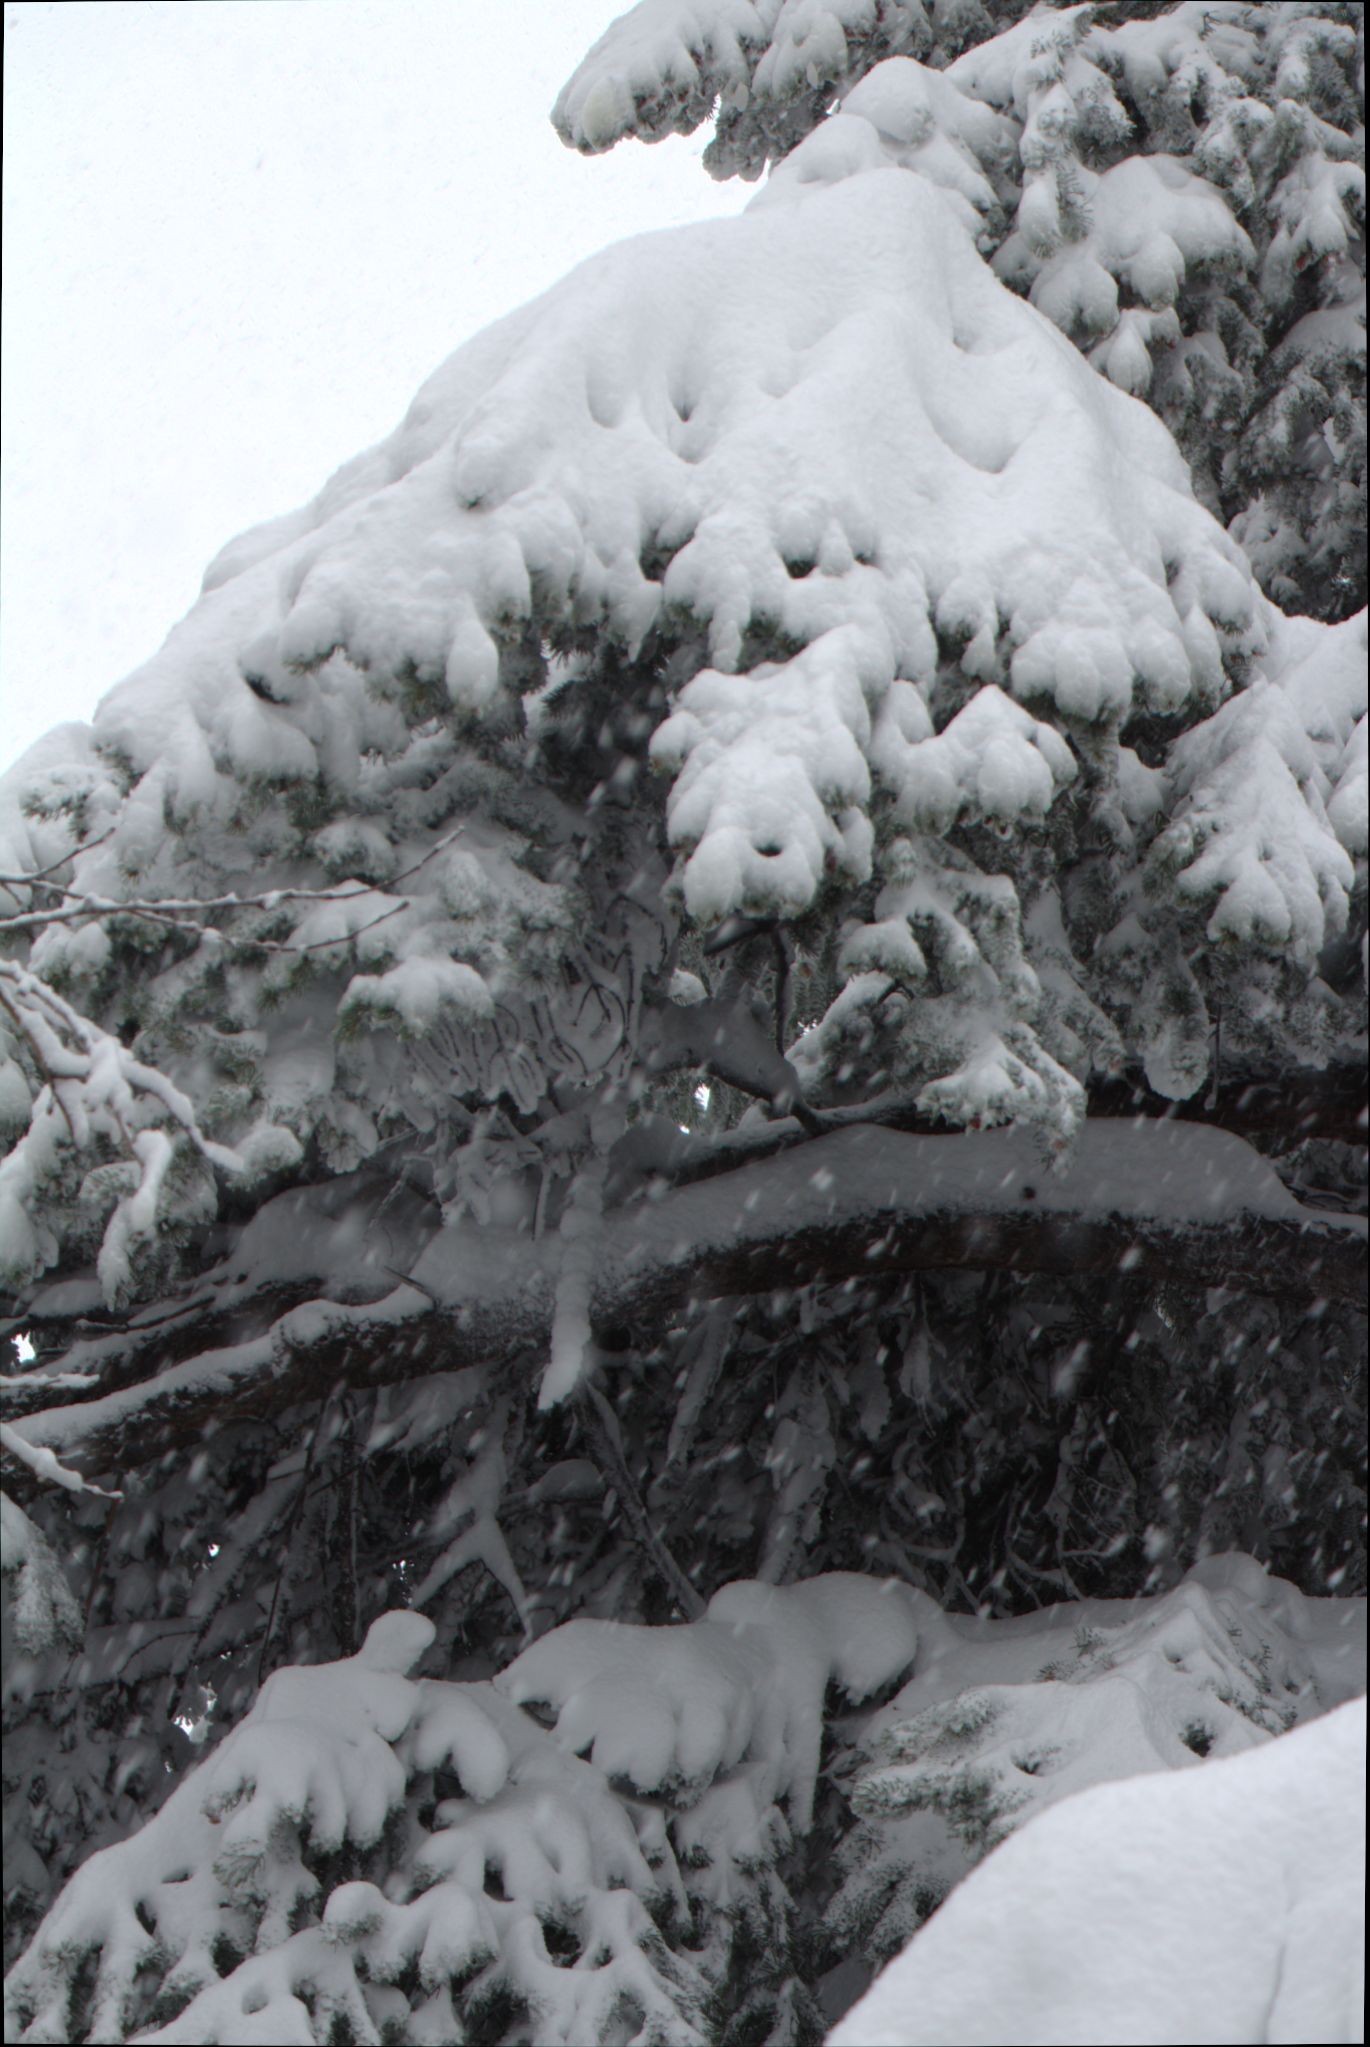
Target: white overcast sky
{"x": 237, "y": 235}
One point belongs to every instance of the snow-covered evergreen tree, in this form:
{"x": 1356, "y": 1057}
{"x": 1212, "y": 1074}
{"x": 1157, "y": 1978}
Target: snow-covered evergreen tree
{"x": 693, "y": 1052}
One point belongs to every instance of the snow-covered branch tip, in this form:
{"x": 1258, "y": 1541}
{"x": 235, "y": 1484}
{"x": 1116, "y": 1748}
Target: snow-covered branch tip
{"x": 98, "y": 1103}
{"x": 47, "y": 1467}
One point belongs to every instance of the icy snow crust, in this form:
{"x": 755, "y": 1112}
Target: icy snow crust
{"x": 829, "y": 435}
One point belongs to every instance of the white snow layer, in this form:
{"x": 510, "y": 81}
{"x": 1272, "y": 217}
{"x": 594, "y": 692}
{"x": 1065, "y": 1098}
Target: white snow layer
{"x": 1138, "y": 1169}
{"x": 676, "y": 1707}
{"x": 818, "y": 436}
{"x": 1220, "y": 1878}
{"x": 1217, "y": 1904}
{"x": 1269, "y": 794}
{"x": 660, "y": 67}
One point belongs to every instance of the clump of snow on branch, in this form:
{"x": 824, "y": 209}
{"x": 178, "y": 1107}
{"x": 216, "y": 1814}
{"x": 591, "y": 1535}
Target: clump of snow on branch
{"x": 992, "y": 759}
{"x": 940, "y": 981}
{"x": 677, "y": 1707}
{"x": 95, "y": 1101}
{"x": 1268, "y": 805}
{"x": 664, "y": 64}
{"x": 417, "y": 992}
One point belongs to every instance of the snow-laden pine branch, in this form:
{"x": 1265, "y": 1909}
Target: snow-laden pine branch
{"x": 654, "y": 1782}
{"x": 1166, "y": 1201}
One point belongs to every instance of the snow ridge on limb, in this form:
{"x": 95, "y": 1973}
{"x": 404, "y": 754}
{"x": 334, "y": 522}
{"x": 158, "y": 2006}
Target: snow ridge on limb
{"x": 1168, "y": 1199}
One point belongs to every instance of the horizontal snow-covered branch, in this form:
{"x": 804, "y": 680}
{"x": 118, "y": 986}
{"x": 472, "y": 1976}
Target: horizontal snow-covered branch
{"x": 306, "y": 1241}
{"x": 1193, "y": 1206}
{"x": 46, "y": 1466}
{"x": 1301, "y": 1104}
{"x": 78, "y": 905}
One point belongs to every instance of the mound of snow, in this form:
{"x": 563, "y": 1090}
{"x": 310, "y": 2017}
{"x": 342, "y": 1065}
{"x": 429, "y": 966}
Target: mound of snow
{"x": 1216, "y": 1904}
{"x": 808, "y": 441}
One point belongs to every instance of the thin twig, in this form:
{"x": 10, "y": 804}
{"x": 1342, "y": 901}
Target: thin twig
{"x": 601, "y": 1429}
{"x": 288, "y": 1536}
{"x": 42, "y": 873}
{"x": 166, "y": 909}
{"x": 784, "y": 957}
